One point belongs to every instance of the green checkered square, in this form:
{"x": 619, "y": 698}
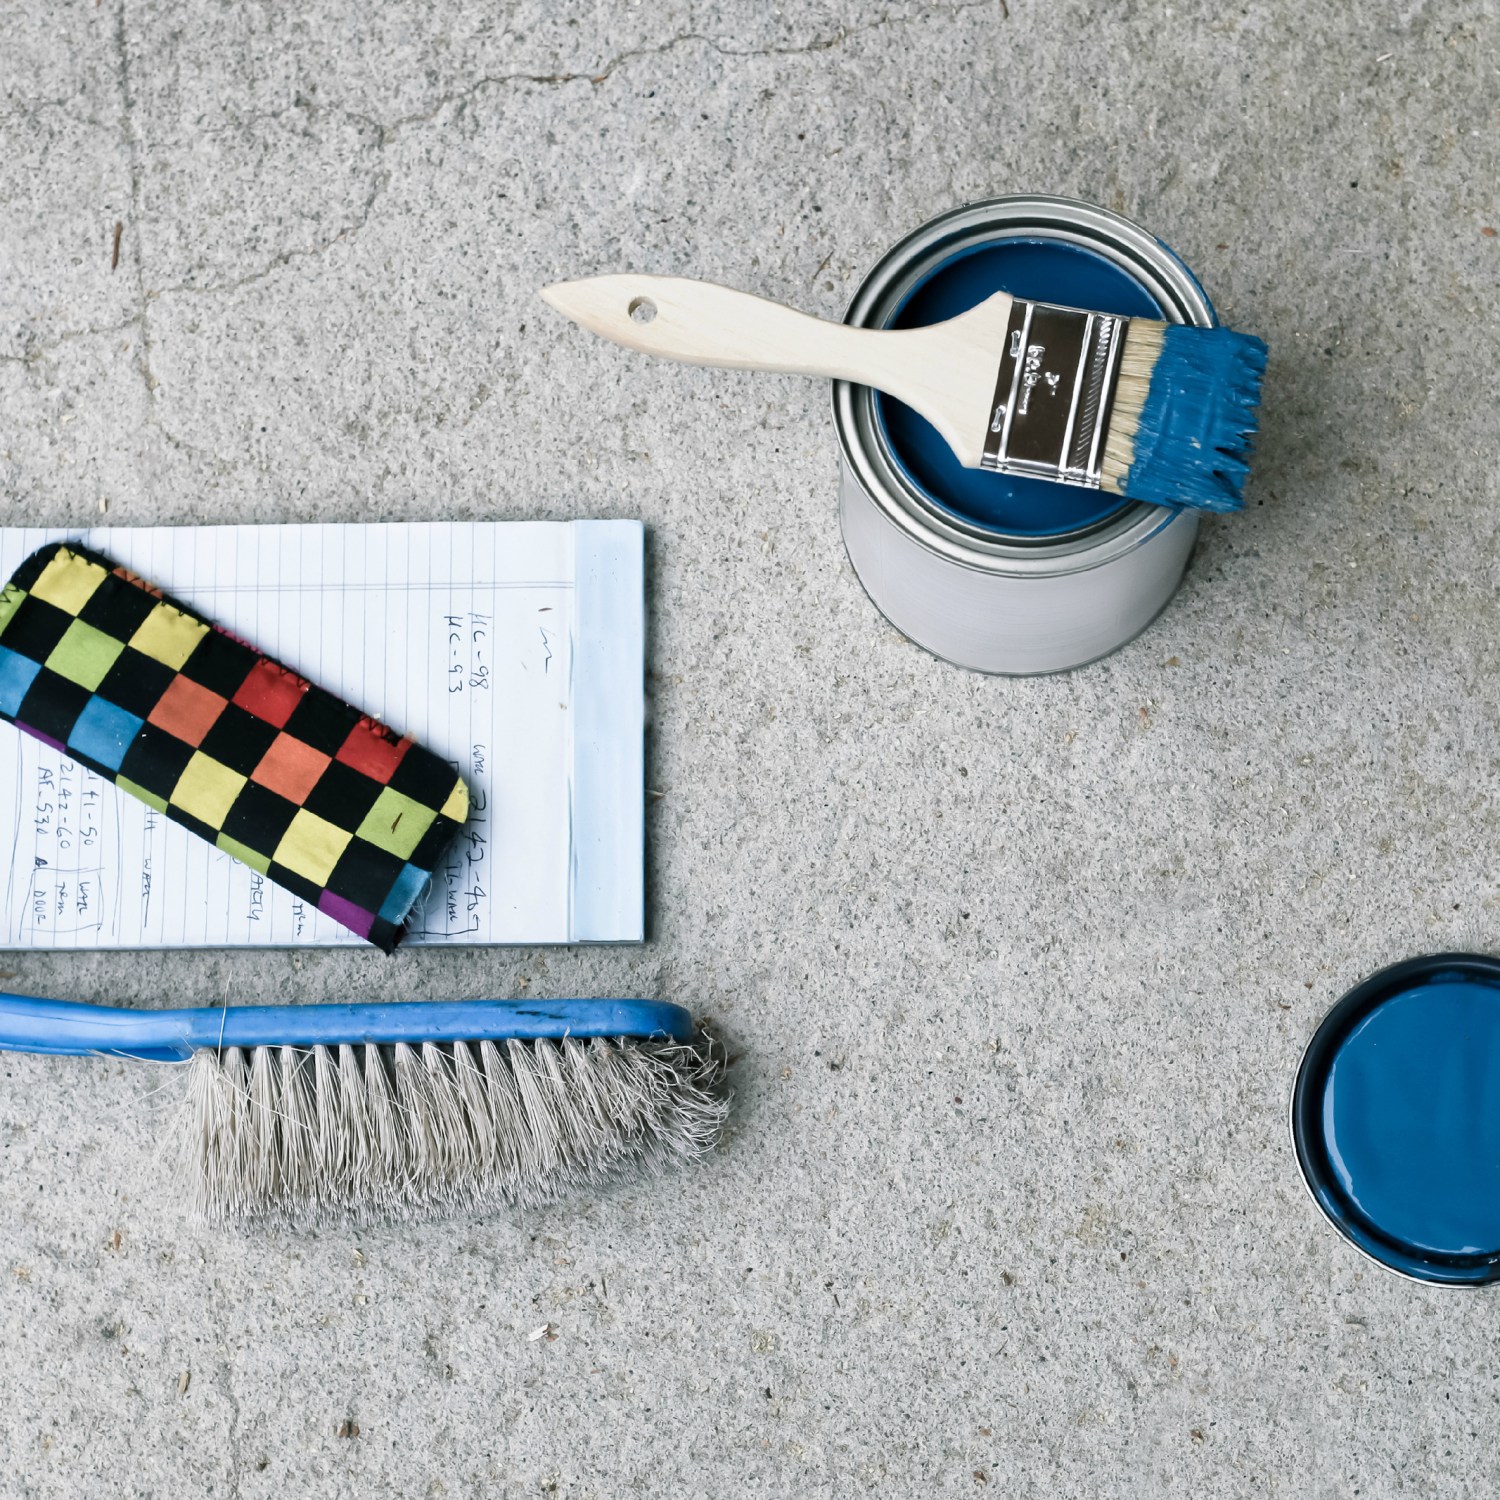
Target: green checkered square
{"x": 10, "y": 601}
{"x": 396, "y": 823}
{"x": 150, "y": 798}
{"x": 84, "y": 655}
{"x": 244, "y": 853}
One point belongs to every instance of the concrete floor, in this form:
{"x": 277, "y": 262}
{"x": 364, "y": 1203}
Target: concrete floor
{"x": 1018, "y": 971}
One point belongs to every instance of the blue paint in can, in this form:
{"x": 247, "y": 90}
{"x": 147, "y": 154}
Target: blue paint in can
{"x": 1396, "y": 1118}
{"x": 1040, "y": 270}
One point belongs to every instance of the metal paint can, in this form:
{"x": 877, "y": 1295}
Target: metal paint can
{"x": 1395, "y": 1118}
{"x": 991, "y": 572}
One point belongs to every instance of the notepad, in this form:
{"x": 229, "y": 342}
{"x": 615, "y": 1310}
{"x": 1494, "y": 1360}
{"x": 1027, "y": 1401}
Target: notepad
{"x": 513, "y": 649}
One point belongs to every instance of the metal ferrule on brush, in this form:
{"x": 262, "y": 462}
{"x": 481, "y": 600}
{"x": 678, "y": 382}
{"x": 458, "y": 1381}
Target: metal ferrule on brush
{"x": 1054, "y": 394}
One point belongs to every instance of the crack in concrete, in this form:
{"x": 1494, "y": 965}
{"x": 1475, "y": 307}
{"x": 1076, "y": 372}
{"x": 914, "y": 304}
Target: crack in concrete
{"x": 224, "y": 1378}
{"x": 35, "y": 353}
{"x": 283, "y": 257}
{"x": 142, "y": 319}
{"x": 385, "y": 132}
{"x": 133, "y": 156}
{"x": 192, "y": 450}
{"x": 26, "y": 109}
{"x": 603, "y": 73}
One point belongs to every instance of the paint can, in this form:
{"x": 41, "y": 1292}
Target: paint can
{"x": 990, "y": 571}
{"x": 1395, "y": 1118}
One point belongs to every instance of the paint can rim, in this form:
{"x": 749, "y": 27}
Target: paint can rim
{"x": 864, "y": 447}
{"x": 1304, "y": 1107}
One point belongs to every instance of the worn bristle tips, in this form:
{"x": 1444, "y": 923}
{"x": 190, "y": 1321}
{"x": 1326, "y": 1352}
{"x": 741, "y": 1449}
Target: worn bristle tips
{"x": 302, "y": 1135}
{"x": 1184, "y": 418}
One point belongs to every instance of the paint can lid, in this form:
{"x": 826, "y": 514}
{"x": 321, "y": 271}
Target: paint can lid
{"x": 1396, "y": 1118}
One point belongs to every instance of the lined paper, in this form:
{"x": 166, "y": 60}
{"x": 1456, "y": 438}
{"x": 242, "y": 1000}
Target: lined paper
{"x": 489, "y": 642}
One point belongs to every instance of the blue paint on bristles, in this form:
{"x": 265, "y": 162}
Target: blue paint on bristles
{"x": 1197, "y": 425}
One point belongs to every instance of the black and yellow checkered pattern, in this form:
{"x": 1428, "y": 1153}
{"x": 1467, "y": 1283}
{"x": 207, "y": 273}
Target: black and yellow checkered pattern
{"x": 276, "y": 772}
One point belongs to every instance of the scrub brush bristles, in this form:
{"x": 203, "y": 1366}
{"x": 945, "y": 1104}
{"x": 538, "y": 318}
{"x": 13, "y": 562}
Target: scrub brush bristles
{"x": 1183, "y": 421}
{"x": 303, "y": 1134}
{"x": 305, "y": 1112}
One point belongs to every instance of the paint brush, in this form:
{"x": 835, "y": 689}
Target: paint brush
{"x": 1159, "y": 412}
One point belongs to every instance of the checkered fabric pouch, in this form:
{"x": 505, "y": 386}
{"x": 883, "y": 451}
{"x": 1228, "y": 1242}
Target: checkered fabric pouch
{"x": 274, "y": 771}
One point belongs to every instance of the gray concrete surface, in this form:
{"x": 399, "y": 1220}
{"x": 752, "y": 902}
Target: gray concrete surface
{"x": 1018, "y": 971}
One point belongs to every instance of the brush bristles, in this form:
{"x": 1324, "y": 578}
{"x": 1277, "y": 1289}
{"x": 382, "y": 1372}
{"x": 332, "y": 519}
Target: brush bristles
{"x": 1184, "y": 416}
{"x": 404, "y": 1132}
{"x": 1143, "y": 340}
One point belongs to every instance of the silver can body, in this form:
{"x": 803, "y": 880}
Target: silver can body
{"x": 968, "y": 592}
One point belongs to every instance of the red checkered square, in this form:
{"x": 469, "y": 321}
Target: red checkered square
{"x": 373, "y": 749}
{"x": 270, "y": 693}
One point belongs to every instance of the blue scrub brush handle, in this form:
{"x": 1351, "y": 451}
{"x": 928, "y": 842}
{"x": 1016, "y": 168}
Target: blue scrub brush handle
{"x": 28, "y": 1024}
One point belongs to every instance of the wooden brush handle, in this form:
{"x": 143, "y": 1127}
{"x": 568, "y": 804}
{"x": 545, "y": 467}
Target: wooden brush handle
{"x": 946, "y": 371}
{"x": 699, "y": 323}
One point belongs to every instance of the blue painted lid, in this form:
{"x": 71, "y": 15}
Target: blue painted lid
{"x": 1396, "y": 1118}
{"x": 1040, "y": 270}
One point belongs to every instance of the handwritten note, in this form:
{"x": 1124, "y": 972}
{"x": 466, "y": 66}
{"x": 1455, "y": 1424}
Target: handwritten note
{"x": 514, "y": 649}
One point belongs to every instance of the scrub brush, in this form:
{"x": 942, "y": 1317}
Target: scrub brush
{"x": 301, "y": 1113}
{"x": 1154, "y": 411}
